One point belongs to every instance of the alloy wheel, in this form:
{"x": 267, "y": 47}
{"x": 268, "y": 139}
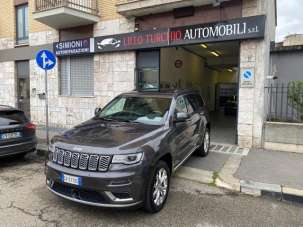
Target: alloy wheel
{"x": 160, "y": 187}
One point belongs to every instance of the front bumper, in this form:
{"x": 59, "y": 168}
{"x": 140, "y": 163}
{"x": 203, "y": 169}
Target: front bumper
{"x": 103, "y": 189}
{"x": 18, "y": 148}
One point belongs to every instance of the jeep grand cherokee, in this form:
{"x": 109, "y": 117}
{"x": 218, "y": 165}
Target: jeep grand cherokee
{"x": 125, "y": 155}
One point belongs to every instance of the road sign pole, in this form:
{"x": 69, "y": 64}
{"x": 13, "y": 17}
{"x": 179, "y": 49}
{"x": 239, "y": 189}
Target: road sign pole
{"x": 46, "y": 60}
{"x": 46, "y": 109}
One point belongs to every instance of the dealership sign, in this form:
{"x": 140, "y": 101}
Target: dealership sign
{"x": 73, "y": 47}
{"x": 236, "y": 29}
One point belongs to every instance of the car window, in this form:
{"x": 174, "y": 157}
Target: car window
{"x": 181, "y": 105}
{"x": 12, "y": 118}
{"x": 190, "y": 105}
{"x": 195, "y": 101}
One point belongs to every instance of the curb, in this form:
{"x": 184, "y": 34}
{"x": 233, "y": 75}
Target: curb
{"x": 197, "y": 175}
{"x": 226, "y": 177}
{"x": 280, "y": 192}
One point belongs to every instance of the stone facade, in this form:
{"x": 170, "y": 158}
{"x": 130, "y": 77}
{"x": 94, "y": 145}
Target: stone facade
{"x": 255, "y": 54}
{"x": 44, "y": 37}
{"x": 7, "y": 85}
{"x": 114, "y": 72}
{"x": 110, "y": 79}
{"x": 6, "y": 43}
{"x": 110, "y": 27}
{"x": 65, "y": 112}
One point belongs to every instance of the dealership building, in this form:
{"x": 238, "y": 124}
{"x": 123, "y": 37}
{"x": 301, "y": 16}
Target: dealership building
{"x": 106, "y": 47}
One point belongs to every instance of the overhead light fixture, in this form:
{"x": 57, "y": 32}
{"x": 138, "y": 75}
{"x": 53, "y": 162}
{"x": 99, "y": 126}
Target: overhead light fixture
{"x": 203, "y": 45}
{"x": 230, "y": 70}
{"x": 215, "y": 53}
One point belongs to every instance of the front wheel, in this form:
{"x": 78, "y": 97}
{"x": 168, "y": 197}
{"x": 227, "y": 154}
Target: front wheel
{"x": 157, "y": 188}
{"x": 204, "y": 149}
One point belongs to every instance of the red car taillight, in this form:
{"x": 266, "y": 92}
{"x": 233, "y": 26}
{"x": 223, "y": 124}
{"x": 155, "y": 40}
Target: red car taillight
{"x": 30, "y": 125}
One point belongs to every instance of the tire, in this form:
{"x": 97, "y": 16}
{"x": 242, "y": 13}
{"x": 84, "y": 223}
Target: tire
{"x": 151, "y": 203}
{"x": 20, "y": 156}
{"x": 203, "y": 150}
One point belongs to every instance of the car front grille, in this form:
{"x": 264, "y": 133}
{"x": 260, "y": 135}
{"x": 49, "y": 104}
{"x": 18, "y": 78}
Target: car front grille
{"x": 82, "y": 161}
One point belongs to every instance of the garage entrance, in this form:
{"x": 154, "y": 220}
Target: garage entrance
{"x": 211, "y": 68}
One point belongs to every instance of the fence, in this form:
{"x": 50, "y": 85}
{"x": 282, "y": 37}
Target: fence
{"x": 285, "y": 102}
{"x": 88, "y": 6}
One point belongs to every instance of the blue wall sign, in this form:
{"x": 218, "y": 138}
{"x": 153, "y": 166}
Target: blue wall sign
{"x": 45, "y": 59}
{"x": 247, "y": 78}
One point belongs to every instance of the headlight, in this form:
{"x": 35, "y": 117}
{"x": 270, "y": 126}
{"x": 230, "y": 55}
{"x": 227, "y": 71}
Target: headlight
{"x": 127, "y": 159}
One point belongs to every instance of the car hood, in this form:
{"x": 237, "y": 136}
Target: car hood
{"x": 104, "y": 134}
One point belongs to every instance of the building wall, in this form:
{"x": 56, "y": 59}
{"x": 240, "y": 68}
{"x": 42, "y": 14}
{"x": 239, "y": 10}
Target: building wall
{"x": 293, "y": 40}
{"x": 255, "y": 54}
{"x": 287, "y": 66}
{"x": 204, "y": 14}
{"x": 113, "y": 74}
{"x": 112, "y": 78}
{"x": 7, "y": 84}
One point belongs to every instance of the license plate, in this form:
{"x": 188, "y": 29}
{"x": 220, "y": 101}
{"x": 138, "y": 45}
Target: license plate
{"x": 71, "y": 179}
{"x": 12, "y": 135}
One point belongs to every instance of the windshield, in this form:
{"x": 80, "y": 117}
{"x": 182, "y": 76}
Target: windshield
{"x": 145, "y": 110}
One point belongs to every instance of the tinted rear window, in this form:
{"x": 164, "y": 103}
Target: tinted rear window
{"x": 195, "y": 101}
{"x": 12, "y": 118}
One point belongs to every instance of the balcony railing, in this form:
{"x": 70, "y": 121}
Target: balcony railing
{"x": 87, "y": 6}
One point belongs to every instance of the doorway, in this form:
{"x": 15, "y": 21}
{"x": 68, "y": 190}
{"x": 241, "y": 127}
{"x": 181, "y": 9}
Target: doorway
{"x": 23, "y": 86}
{"x": 210, "y": 68}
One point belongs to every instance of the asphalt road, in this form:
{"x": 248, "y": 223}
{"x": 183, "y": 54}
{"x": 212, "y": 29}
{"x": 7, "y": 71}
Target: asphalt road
{"x": 25, "y": 201}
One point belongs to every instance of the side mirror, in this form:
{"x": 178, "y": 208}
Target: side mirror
{"x": 181, "y": 117}
{"x": 97, "y": 111}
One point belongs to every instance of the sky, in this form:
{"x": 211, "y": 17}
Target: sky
{"x": 290, "y": 18}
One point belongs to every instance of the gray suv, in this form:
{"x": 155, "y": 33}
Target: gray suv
{"x": 125, "y": 155}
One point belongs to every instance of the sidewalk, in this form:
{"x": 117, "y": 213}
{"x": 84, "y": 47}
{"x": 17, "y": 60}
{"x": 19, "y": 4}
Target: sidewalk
{"x": 259, "y": 173}
{"x": 254, "y": 172}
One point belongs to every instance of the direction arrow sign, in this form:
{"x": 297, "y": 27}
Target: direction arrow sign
{"x": 45, "y": 59}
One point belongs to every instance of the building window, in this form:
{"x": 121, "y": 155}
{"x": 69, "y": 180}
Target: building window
{"x": 77, "y": 76}
{"x": 22, "y": 24}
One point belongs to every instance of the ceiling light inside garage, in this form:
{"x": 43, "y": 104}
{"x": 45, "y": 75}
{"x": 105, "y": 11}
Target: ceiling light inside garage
{"x": 214, "y": 53}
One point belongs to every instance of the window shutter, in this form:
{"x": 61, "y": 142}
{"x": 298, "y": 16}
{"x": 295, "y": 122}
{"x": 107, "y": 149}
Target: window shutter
{"x": 65, "y": 76}
{"x": 77, "y": 76}
{"x": 82, "y": 76}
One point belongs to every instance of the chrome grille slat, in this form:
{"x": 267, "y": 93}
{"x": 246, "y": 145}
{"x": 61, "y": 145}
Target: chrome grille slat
{"x": 60, "y": 156}
{"x": 75, "y": 160}
{"x": 67, "y": 158}
{"x": 93, "y": 162}
{"x": 83, "y": 162}
{"x": 104, "y": 163}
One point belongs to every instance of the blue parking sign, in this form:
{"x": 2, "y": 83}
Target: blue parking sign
{"x": 45, "y": 59}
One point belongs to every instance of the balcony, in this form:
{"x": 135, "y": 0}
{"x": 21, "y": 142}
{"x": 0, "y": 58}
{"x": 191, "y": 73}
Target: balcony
{"x": 61, "y": 14}
{"x": 135, "y": 8}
